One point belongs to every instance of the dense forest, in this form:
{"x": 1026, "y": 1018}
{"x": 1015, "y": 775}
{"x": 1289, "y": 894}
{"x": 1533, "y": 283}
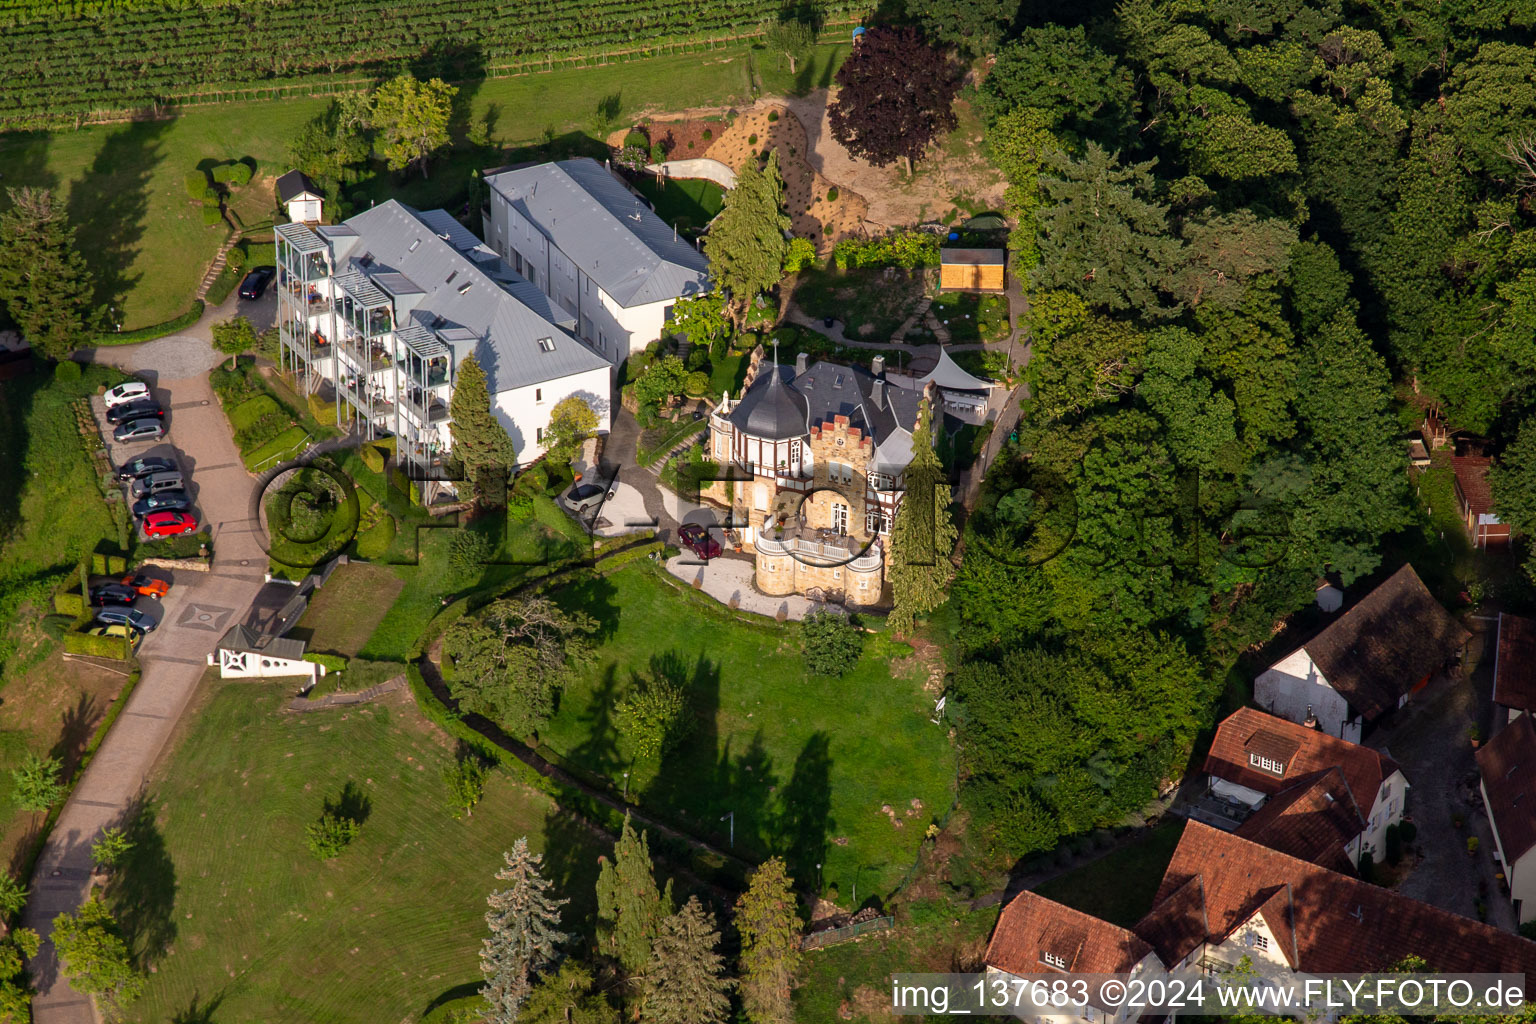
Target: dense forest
{"x": 1262, "y": 239}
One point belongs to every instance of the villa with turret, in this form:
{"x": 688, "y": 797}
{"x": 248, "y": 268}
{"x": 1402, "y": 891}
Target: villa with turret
{"x": 813, "y": 459}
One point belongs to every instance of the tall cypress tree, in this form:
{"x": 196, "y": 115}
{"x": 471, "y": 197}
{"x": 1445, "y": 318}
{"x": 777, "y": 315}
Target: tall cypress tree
{"x": 770, "y": 944}
{"x": 923, "y": 534}
{"x": 44, "y": 282}
{"x": 525, "y": 929}
{"x": 746, "y": 245}
{"x": 630, "y": 909}
{"x": 481, "y": 444}
{"x": 685, "y": 981}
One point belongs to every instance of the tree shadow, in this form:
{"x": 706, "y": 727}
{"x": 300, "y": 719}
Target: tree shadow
{"x": 142, "y": 889}
{"x": 75, "y": 729}
{"x": 806, "y": 810}
{"x": 199, "y": 1012}
{"x": 351, "y": 803}
{"x": 573, "y": 854}
{"x": 599, "y": 751}
{"x": 109, "y": 205}
{"x": 593, "y": 595}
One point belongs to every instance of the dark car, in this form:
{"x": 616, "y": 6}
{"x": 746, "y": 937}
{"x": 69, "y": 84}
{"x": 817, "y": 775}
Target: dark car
{"x": 139, "y": 430}
{"x": 169, "y": 524}
{"x": 165, "y": 501}
{"x": 256, "y": 282}
{"x": 135, "y": 411}
{"x": 113, "y": 593}
{"x": 144, "y": 466}
{"x": 130, "y": 617}
{"x": 697, "y": 539}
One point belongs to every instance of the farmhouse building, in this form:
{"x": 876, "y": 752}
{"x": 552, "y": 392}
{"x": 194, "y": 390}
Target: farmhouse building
{"x": 300, "y": 198}
{"x": 1367, "y": 662}
{"x": 1308, "y": 794}
{"x": 595, "y": 248}
{"x": 1514, "y": 666}
{"x": 1223, "y": 899}
{"x": 1507, "y": 765}
{"x": 383, "y": 309}
{"x": 1474, "y": 500}
{"x": 818, "y": 454}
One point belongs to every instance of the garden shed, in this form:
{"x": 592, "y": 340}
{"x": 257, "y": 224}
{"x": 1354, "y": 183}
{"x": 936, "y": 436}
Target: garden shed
{"x": 972, "y": 270}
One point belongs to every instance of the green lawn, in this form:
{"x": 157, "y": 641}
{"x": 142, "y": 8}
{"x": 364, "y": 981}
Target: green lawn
{"x": 343, "y": 613}
{"x": 687, "y": 203}
{"x": 970, "y": 317}
{"x": 1119, "y": 886}
{"x": 254, "y": 928}
{"x": 144, "y": 236}
{"x": 805, "y": 764}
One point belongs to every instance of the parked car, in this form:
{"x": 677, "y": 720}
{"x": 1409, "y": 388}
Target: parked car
{"x": 139, "y": 430}
{"x": 144, "y": 486}
{"x": 256, "y": 282}
{"x": 697, "y": 539}
{"x": 147, "y": 585}
{"x": 116, "y": 629}
{"x": 169, "y": 524}
{"x": 173, "y": 501}
{"x": 113, "y": 593}
{"x": 144, "y": 465}
{"x": 128, "y": 391}
{"x": 130, "y": 617}
{"x": 586, "y": 496}
{"x": 142, "y": 410}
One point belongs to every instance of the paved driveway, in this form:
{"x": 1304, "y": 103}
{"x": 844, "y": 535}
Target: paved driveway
{"x": 199, "y": 608}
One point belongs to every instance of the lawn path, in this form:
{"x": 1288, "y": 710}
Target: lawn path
{"x": 196, "y": 613}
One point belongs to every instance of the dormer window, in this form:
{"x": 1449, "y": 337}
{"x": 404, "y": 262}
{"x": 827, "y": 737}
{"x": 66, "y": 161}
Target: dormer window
{"x": 413, "y": 246}
{"x": 1266, "y": 764}
{"x": 451, "y": 277}
{"x": 1052, "y": 960}
{"x": 546, "y": 344}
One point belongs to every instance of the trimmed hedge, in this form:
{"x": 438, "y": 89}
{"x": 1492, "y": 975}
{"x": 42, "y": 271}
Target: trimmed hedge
{"x": 330, "y": 662}
{"x": 69, "y": 602}
{"x": 96, "y": 646}
{"x": 251, "y": 410}
{"x": 108, "y": 565}
{"x": 197, "y": 183}
{"x": 186, "y": 319}
{"x": 338, "y": 532}
{"x": 67, "y": 371}
{"x": 372, "y": 456}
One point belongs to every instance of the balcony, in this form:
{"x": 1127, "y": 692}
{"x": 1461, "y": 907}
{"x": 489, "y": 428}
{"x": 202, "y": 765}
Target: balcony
{"x": 365, "y": 357}
{"x": 820, "y": 547}
{"x": 434, "y": 411}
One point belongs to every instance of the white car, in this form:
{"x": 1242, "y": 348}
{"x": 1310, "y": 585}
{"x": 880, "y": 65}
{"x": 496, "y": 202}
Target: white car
{"x": 130, "y": 391}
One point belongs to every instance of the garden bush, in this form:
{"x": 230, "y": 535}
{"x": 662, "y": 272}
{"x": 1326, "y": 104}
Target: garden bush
{"x": 311, "y": 517}
{"x": 240, "y": 173}
{"x": 235, "y": 258}
{"x": 263, "y": 430}
{"x": 330, "y": 835}
{"x": 251, "y": 411}
{"x": 773, "y": 115}
{"x": 95, "y": 646}
{"x": 197, "y": 184}
{"x": 330, "y": 662}
{"x": 832, "y": 194}
{"x": 909, "y": 249}
{"x": 211, "y": 215}
{"x": 637, "y": 139}
{"x": 69, "y": 602}
{"x": 108, "y": 565}
{"x": 373, "y": 457}
{"x": 68, "y": 370}
{"x": 154, "y": 331}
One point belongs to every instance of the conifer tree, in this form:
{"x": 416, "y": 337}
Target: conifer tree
{"x": 746, "y": 245}
{"x": 685, "y": 981}
{"x": 923, "y": 534}
{"x": 770, "y": 944}
{"x": 630, "y": 908}
{"x": 480, "y": 443}
{"x": 525, "y": 929}
{"x": 44, "y": 282}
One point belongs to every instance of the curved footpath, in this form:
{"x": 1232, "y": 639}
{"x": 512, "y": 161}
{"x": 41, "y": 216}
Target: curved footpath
{"x": 199, "y": 608}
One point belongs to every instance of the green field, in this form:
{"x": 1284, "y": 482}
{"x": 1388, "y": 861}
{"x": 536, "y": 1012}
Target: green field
{"x": 144, "y": 236}
{"x": 343, "y": 613}
{"x": 805, "y": 764}
{"x": 254, "y": 928}
{"x": 687, "y": 203}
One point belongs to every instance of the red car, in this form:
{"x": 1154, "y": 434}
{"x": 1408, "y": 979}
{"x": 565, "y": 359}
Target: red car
{"x": 169, "y": 524}
{"x": 697, "y": 539}
{"x": 147, "y": 585}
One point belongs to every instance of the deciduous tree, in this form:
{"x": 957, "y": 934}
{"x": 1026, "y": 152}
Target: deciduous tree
{"x": 411, "y": 118}
{"x": 653, "y": 716}
{"x": 95, "y": 957}
{"x": 746, "y": 244}
{"x": 1055, "y": 69}
{"x": 923, "y": 534}
{"x": 36, "y": 782}
{"x": 769, "y": 924}
{"x": 895, "y": 97}
{"x": 685, "y": 981}
{"x": 791, "y": 37}
{"x": 44, "y": 282}
{"x": 630, "y": 907}
{"x": 831, "y": 643}
{"x": 233, "y": 336}
{"x": 971, "y": 26}
{"x": 481, "y": 445}
{"x": 524, "y": 921}
{"x": 571, "y": 422}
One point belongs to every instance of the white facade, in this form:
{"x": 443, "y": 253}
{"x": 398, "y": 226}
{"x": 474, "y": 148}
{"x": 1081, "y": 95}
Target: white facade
{"x": 1521, "y": 875}
{"x": 616, "y": 331}
{"x": 525, "y": 411}
{"x": 1292, "y": 684}
{"x": 256, "y": 665}
{"x": 304, "y": 208}
{"x": 1387, "y": 807}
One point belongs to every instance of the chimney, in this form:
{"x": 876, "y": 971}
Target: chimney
{"x": 877, "y": 393}
{"x": 802, "y": 363}
{"x": 1311, "y": 720}
{"x": 877, "y": 366}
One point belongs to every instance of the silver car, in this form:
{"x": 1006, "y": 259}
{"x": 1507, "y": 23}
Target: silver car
{"x": 586, "y": 497}
{"x": 144, "y": 486}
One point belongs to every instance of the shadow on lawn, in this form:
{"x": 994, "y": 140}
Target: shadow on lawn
{"x": 351, "y": 804}
{"x": 199, "y": 1012}
{"x": 142, "y": 890}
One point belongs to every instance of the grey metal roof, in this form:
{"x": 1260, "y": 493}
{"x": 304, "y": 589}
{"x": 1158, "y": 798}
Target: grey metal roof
{"x": 606, "y": 230}
{"x": 240, "y": 638}
{"x": 503, "y": 332}
{"x": 301, "y": 238}
{"x": 771, "y": 409}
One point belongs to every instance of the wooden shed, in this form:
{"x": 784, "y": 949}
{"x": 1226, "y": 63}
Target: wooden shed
{"x": 972, "y": 270}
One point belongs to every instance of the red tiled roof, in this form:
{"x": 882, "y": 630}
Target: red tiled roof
{"x": 1472, "y": 481}
{"x": 1251, "y": 730}
{"x": 1314, "y": 819}
{"x": 1032, "y": 926}
{"x": 1340, "y": 924}
{"x": 1381, "y": 648}
{"x": 1508, "y": 766}
{"x": 1514, "y": 666}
